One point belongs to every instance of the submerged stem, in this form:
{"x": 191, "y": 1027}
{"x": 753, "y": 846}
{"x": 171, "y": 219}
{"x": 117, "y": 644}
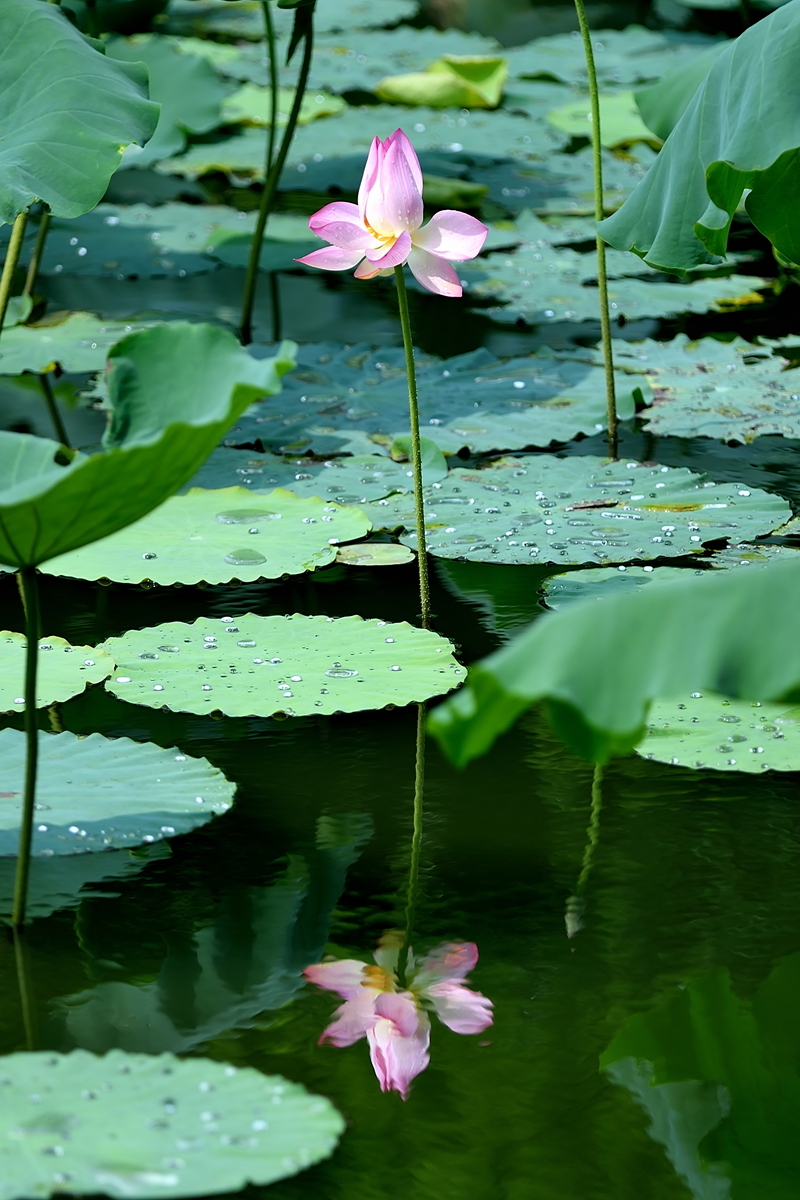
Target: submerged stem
{"x": 30, "y": 595}
{"x": 416, "y": 449}
{"x": 602, "y": 277}
{"x": 274, "y": 169}
{"x": 52, "y": 408}
{"x": 10, "y": 265}
{"x": 38, "y": 251}
{"x": 25, "y": 988}
{"x": 412, "y": 895}
{"x": 575, "y": 902}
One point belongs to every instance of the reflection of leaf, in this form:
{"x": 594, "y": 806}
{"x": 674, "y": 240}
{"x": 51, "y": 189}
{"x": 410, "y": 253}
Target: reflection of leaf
{"x": 579, "y": 509}
{"x": 66, "y": 110}
{"x": 113, "y": 1125}
{"x": 297, "y": 665}
{"x": 63, "y": 670}
{"x": 749, "y": 1052}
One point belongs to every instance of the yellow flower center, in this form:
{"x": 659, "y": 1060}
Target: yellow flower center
{"x": 379, "y": 978}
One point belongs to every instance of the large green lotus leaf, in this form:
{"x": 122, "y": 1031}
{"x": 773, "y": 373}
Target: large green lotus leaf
{"x": 622, "y": 57}
{"x": 601, "y": 665}
{"x": 733, "y": 391}
{"x": 96, "y": 793}
{"x": 598, "y": 583}
{"x": 500, "y": 134}
{"x": 67, "y": 112}
{"x": 77, "y": 342}
{"x": 219, "y": 535}
{"x": 245, "y": 18}
{"x": 463, "y": 82}
{"x": 298, "y": 665}
{"x": 135, "y": 1126}
{"x": 174, "y": 390}
{"x": 188, "y": 89}
{"x": 63, "y": 671}
{"x": 535, "y": 297}
{"x": 354, "y": 399}
{"x": 580, "y": 510}
{"x": 348, "y": 480}
{"x": 252, "y": 105}
{"x": 740, "y": 131}
{"x": 703, "y": 730}
{"x": 663, "y": 104}
{"x": 620, "y": 120}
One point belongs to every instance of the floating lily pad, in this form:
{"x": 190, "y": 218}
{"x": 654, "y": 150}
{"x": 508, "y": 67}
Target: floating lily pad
{"x": 298, "y": 665}
{"x": 622, "y": 57}
{"x": 734, "y": 391}
{"x": 76, "y": 342}
{"x": 143, "y": 1125}
{"x": 252, "y": 105}
{"x": 620, "y": 120}
{"x": 97, "y": 793}
{"x": 703, "y": 730}
{"x": 218, "y": 535}
{"x": 375, "y": 554}
{"x": 580, "y": 510}
{"x": 352, "y": 480}
{"x": 245, "y": 18}
{"x": 63, "y": 671}
{"x": 355, "y": 400}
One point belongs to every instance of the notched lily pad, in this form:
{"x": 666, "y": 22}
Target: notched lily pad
{"x": 135, "y": 1126}
{"x": 98, "y": 793}
{"x": 579, "y": 510}
{"x": 64, "y": 670}
{"x": 707, "y": 731}
{"x": 298, "y": 665}
{"x": 218, "y": 535}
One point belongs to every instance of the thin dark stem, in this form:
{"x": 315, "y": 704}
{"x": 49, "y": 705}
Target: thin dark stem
{"x": 575, "y": 903}
{"x": 273, "y": 175}
{"x": 416, "y": 449}
{"x": 30, "y": 596}
{"x": 412, "y": 895}
{"x": 599, "y": 213}
{"x": 10, "y": 265}
{"x": 52, "y": 408}
{"x": 275, "y": 296}
{"x": 25, "y": 989}
{"x": 38, "y": 250}
{"x": 272, "y": 54}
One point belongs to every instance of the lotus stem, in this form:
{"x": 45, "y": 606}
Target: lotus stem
{"x": 38, "y": 250}
{"x": 599, "y": 213}
{"x": 25, "y": 989}
{"x": 30, "y": 595}
{"x": 274, "y": 169}
{"x": 52, "y": 408}
{"x": 416, "y": 449}
{"x": 10, "y": 265}
{"x": 574, "y": 911}
{"x": 412, "y": 894}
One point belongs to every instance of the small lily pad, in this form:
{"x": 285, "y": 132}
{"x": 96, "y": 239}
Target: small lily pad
{"x": 707, "y": 731}
{"x": 76, "y": 342}
{"x": 64, "y": 670}
{"x": 620, "y": 120}
{"x": 216, "y": 536}
{"x": 375, "y": 554}
{"x": 96, "y": 793}
{"x": 135, "y": 1126}
{"x": 252, "y": 105}
{"x": 580, "y": 510}
{"x": 298, "y": 665}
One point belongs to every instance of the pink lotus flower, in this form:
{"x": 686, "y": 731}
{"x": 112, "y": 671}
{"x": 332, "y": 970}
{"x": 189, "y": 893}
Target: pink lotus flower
{"x": 385, "y": 230}
{"x": 394, "y": 1022}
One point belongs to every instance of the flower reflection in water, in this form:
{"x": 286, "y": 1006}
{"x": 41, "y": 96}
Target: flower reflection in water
{"x": 393, "y": 1018}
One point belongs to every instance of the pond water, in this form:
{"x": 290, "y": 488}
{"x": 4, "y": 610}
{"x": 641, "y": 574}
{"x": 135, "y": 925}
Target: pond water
{"x": 638, "y": 927}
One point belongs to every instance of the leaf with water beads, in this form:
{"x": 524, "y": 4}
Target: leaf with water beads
{"x": 580, "y": 510}
{"x": 96, "y": 793}
{"x": 218, "y": 535}
{"x": 64, "y": 670}
{"x": 135, "y": 1126}
{"x": 707, "y": 731}
{"x": 297, "y": 665}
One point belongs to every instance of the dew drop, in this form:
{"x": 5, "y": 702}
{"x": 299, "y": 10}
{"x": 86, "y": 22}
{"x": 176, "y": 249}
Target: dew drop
{"x": 244, "y": 558}
{"x": 339, "y": 673}
{"x": 244, "y": 516}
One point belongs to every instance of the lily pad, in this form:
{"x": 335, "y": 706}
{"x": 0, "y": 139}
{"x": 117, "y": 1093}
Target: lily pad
{"x": 734, "y": 391}
{"x": 64, "y": 670}
{"x": 252, "y": 105}
{"x": 580, "y": 510}
{"x": 620, "y": 120}
{"x": 298, "y": 665}
{"x": 351, "y": 480}
{"x": 450, "y": 81}
{"x": 218, "y": 535}
{"x": 76, "y": 342}
{"x": 96, "y": 793}
{"x": 140, "y": 1125}
{"x": 702, "y": 730}
{"x": 375, "y": 554}
{"x": 67, "y": 112}
{"x": 244, "y": 18}
{"x": 354, "y": 399}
